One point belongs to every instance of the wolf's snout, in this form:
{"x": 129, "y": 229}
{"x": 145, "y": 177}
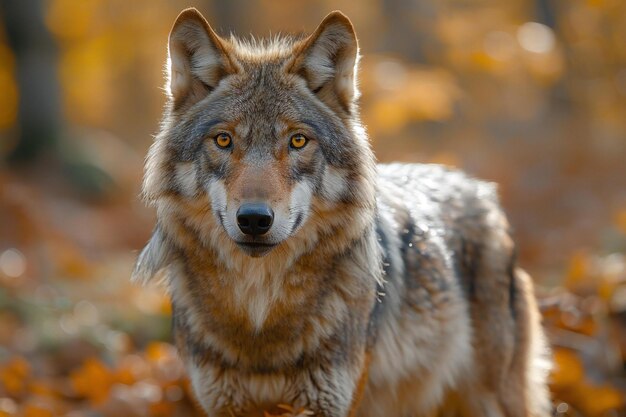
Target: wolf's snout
{"x": 255, "y": 218}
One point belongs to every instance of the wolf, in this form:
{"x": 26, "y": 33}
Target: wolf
{"x": 303, "y": 273}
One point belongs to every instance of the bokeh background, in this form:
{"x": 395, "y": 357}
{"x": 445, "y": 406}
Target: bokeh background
{"x": 529, "y": 94}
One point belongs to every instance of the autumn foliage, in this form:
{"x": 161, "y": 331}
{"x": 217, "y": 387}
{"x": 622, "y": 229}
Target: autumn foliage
{"x": 531, "y": 95}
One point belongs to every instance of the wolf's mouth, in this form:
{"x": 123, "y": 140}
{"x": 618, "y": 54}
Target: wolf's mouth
{"x": 256, "y": 249}
{"x": 257, "y": 244}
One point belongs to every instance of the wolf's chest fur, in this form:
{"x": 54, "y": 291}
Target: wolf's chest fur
{"x": 264, "y": 319}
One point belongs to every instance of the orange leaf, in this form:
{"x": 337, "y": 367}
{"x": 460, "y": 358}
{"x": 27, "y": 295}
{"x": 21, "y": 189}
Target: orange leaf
{"x": 620, "y": 220}
{"x": 35, "y": 411}
{"x": 93, "y": 381}
{"x": 568, "y": 369}
{"x": 156, "y": 351}
{"x": 162, "y": 409}
{"x": 42, "y": 389}
{"x": 597, "y": 400}
{"x": 578, "y": 271}
{"x": 14, "y": 375}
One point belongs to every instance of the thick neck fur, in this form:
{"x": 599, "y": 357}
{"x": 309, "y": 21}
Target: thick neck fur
{"x": 238, "y": 303}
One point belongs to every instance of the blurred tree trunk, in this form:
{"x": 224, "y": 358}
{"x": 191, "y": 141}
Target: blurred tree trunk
{"x": 40, "y": 121}
{"x": 546, "y": 13}
{"x": 409, "y": 30}
{"x": 39, "y": 113}
{"x": 231, "y": 16}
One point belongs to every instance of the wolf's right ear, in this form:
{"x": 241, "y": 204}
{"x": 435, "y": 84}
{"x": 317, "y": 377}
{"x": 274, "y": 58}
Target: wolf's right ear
{"x": 197, "y": 60}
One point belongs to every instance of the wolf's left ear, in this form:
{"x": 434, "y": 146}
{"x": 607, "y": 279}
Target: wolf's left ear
{"x": 198, "y": 58}
{"x": 327, "y": 60}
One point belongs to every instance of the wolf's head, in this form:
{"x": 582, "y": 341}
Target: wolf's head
{"x": 260, "y": 139}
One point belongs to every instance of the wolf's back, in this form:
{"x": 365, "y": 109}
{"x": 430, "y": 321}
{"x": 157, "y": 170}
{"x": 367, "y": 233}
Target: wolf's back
{"x": 454, "y": 305}
{"x": 439, "y": 201}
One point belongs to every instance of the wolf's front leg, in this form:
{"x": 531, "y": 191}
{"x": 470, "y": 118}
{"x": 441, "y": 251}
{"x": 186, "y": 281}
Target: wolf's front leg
{"x": 328, "y": 390}
{"x": 333, "y": 391}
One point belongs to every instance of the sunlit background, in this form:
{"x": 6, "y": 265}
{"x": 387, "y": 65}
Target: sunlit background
{"x": 529, "y": 94}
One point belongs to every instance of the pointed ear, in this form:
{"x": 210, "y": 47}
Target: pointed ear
{"x": 198, "y": 58}
{"x": 327, "y": 60}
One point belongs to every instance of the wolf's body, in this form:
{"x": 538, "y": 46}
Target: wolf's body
{"x": 371, "y": 291}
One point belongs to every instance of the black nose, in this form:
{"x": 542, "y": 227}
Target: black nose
{"x": 255, "y": 218}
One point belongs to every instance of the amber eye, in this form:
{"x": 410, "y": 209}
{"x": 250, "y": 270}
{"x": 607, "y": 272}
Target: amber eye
{"x": 223, "y": 140}
{"x": 298, "y": 141}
